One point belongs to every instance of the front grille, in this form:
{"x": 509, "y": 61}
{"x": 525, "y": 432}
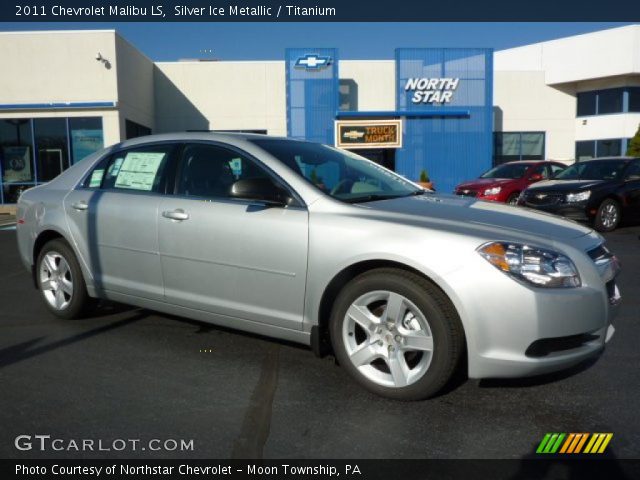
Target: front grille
{"x": 467, "y": 193}
{"x": 543, "y": 199}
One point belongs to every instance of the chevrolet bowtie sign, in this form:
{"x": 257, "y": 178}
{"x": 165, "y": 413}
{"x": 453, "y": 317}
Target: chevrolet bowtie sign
{"x": 355, "y": 134}
{"x": 313, "y": 62}
{"x": 432, "y": 90}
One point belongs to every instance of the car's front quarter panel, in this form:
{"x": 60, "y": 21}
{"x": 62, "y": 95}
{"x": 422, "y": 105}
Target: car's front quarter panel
{"x": 501, "y": 316}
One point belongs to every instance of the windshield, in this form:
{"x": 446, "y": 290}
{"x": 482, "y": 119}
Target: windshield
{"x": 593, "y": 170}
{"x": 508, "y": 170}
{"x": 339, "y": 173}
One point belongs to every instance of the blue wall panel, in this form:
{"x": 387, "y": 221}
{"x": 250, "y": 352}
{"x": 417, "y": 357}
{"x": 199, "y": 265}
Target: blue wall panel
{"x": 312, "y": 93}
{"x": 451, "y": 149}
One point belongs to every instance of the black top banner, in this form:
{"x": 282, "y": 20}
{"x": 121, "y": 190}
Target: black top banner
{"x": 316, "y": 10}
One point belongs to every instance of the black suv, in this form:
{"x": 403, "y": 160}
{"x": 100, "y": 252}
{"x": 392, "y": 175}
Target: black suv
{"x": 602, "y": 191}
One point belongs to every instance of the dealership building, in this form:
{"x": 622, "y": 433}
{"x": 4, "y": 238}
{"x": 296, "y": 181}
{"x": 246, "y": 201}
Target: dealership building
{"x": 453, "y": 112}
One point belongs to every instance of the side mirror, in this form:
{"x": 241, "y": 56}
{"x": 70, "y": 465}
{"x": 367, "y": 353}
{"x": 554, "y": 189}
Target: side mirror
{"x": 536, "y": 177}
{"x": 262, "y": 190}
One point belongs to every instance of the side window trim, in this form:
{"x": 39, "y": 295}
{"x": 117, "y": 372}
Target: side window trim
{"x": 299, "y": 203}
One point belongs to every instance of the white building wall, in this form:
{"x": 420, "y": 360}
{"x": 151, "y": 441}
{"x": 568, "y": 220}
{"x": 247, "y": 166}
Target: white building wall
{"x": 375, "y": 80}
{"x": 135, "y": 85}
{"x": 607, "y": 126}
{"x": 47, "y": 67}
{"x": 524, "y": 103}
{"x": 220, "y": 96}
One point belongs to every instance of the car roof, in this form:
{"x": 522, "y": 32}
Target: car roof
{"x": 608, "y": 158}
{"x": 227, "y": 137}
{"x": 528, "y": 162}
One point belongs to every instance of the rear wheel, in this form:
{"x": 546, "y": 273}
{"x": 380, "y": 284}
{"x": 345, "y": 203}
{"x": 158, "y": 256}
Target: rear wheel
{"x": 608, "y": 216}
{"x": 396, "y": 334}
{"x": 60, "y": 280}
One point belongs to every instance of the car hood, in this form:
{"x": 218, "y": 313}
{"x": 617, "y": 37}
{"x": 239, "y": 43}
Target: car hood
{"x": 566, "y": 185}
{"x": 449, "y": 211}
{"x": 479, "y": 183}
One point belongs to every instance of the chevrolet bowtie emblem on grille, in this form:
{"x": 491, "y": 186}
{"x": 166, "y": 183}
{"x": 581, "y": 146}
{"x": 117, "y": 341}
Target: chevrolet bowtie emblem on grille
{"x": 541, "y": 195}
{"x": 353, "y": 134}
{"x": 313, "y": 62}
{"x": 465, "y": 191}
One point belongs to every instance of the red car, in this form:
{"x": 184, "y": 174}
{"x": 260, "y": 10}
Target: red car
{"x": 505, "y": 182}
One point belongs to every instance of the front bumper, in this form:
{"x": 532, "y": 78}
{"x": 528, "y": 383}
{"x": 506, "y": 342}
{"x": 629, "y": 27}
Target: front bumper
{"x": 515, "y": 330}
{"x": 577, "y": 211}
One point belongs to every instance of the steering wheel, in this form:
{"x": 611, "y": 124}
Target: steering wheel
{"x": 341, "y": 185}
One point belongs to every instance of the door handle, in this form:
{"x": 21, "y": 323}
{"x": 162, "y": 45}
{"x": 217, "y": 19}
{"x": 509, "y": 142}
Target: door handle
{"x": 178, "y": 214}
{"x": 82, "y": 205}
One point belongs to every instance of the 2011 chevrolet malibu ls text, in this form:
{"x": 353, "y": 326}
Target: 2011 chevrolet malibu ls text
{"x": 316, "y": 245}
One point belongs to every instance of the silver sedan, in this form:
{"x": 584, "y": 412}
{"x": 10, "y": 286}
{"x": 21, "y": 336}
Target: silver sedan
{"x": 316, "y": 245}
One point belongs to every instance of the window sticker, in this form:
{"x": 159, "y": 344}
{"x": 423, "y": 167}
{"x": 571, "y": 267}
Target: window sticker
{"x": 139, "y": 170}
{"x": 96, "y": 178}
{"x": 236, "y": 166}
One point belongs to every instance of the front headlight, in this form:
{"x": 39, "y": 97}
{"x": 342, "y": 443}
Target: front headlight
{"x": 537, "y": 266}
{"x": 492, "y": 191}
{"x": 578, "y": 197}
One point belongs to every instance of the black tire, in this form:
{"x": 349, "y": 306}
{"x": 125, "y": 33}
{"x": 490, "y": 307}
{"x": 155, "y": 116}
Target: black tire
{"x": 79, "y": 300}
{"x": 513, "y": 198}
{"x": 608, "y": 216}
{"x": 443, "y": 320}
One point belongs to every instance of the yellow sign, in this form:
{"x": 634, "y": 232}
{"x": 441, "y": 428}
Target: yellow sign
{"x": 353, "y": 134}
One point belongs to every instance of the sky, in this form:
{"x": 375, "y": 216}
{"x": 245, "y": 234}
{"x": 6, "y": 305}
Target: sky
{"x": 267, "y": 41}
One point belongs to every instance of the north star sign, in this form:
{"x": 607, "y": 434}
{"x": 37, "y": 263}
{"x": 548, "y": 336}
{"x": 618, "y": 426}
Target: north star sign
{"x": 432, "y": 90}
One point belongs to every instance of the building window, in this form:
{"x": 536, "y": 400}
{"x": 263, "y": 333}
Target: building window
{"x": 510, "y": 146}
{"x": 86, "y": 137}
{"x": 585, "y": 149}
{"x": 52, "y": 155}
{"x": 16, "y": 158}
{"x": 609, "y": 148}
{"x": 634, "y": 99}
{"x": 587, "y": 104}
{"x": 34, "y": 151}
{"x": 598, "y": 148}
{"x": 611, "y": 100}
{"x": 133, "y": 130}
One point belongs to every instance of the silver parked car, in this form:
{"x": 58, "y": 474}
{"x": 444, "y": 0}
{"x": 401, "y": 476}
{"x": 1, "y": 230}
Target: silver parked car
{"x": 319, "y": 246}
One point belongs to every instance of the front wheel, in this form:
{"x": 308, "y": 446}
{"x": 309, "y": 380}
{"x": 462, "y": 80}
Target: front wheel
{"x": 397, "y": 334}
{"x": 513, "y": 199}
{"x": 608, "y": 216}
{"x": 60, "y": 280}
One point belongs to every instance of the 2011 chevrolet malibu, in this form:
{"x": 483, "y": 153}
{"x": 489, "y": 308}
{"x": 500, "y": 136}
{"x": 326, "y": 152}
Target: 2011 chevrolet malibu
{"x": 319, "y": 246}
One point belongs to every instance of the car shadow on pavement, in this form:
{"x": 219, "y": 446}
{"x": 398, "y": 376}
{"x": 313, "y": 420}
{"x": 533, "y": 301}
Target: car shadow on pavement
{"x": 25, "y": 350}
{"x": 538, "y": 379}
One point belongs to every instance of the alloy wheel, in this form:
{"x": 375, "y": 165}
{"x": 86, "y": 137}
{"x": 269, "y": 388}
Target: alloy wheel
{"x": 388, "y": 339}
{"x": 56, "y": 280}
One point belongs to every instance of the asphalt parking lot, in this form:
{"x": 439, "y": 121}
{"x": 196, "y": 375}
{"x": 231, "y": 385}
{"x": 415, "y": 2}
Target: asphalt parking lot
{"x": 130, "y": 373}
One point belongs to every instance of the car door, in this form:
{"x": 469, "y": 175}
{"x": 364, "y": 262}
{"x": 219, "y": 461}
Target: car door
{"x": 113, "y": 219}
{"x": 231, "y": 257}
{"x": 631, "y": 191}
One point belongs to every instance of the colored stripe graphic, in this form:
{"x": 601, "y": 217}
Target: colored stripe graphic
{"x": 573, "y": 443}
{"x": 550, "y": 443}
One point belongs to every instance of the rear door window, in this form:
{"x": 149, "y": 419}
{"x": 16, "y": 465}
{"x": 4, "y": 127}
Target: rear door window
{"x": 139, "y": 169}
